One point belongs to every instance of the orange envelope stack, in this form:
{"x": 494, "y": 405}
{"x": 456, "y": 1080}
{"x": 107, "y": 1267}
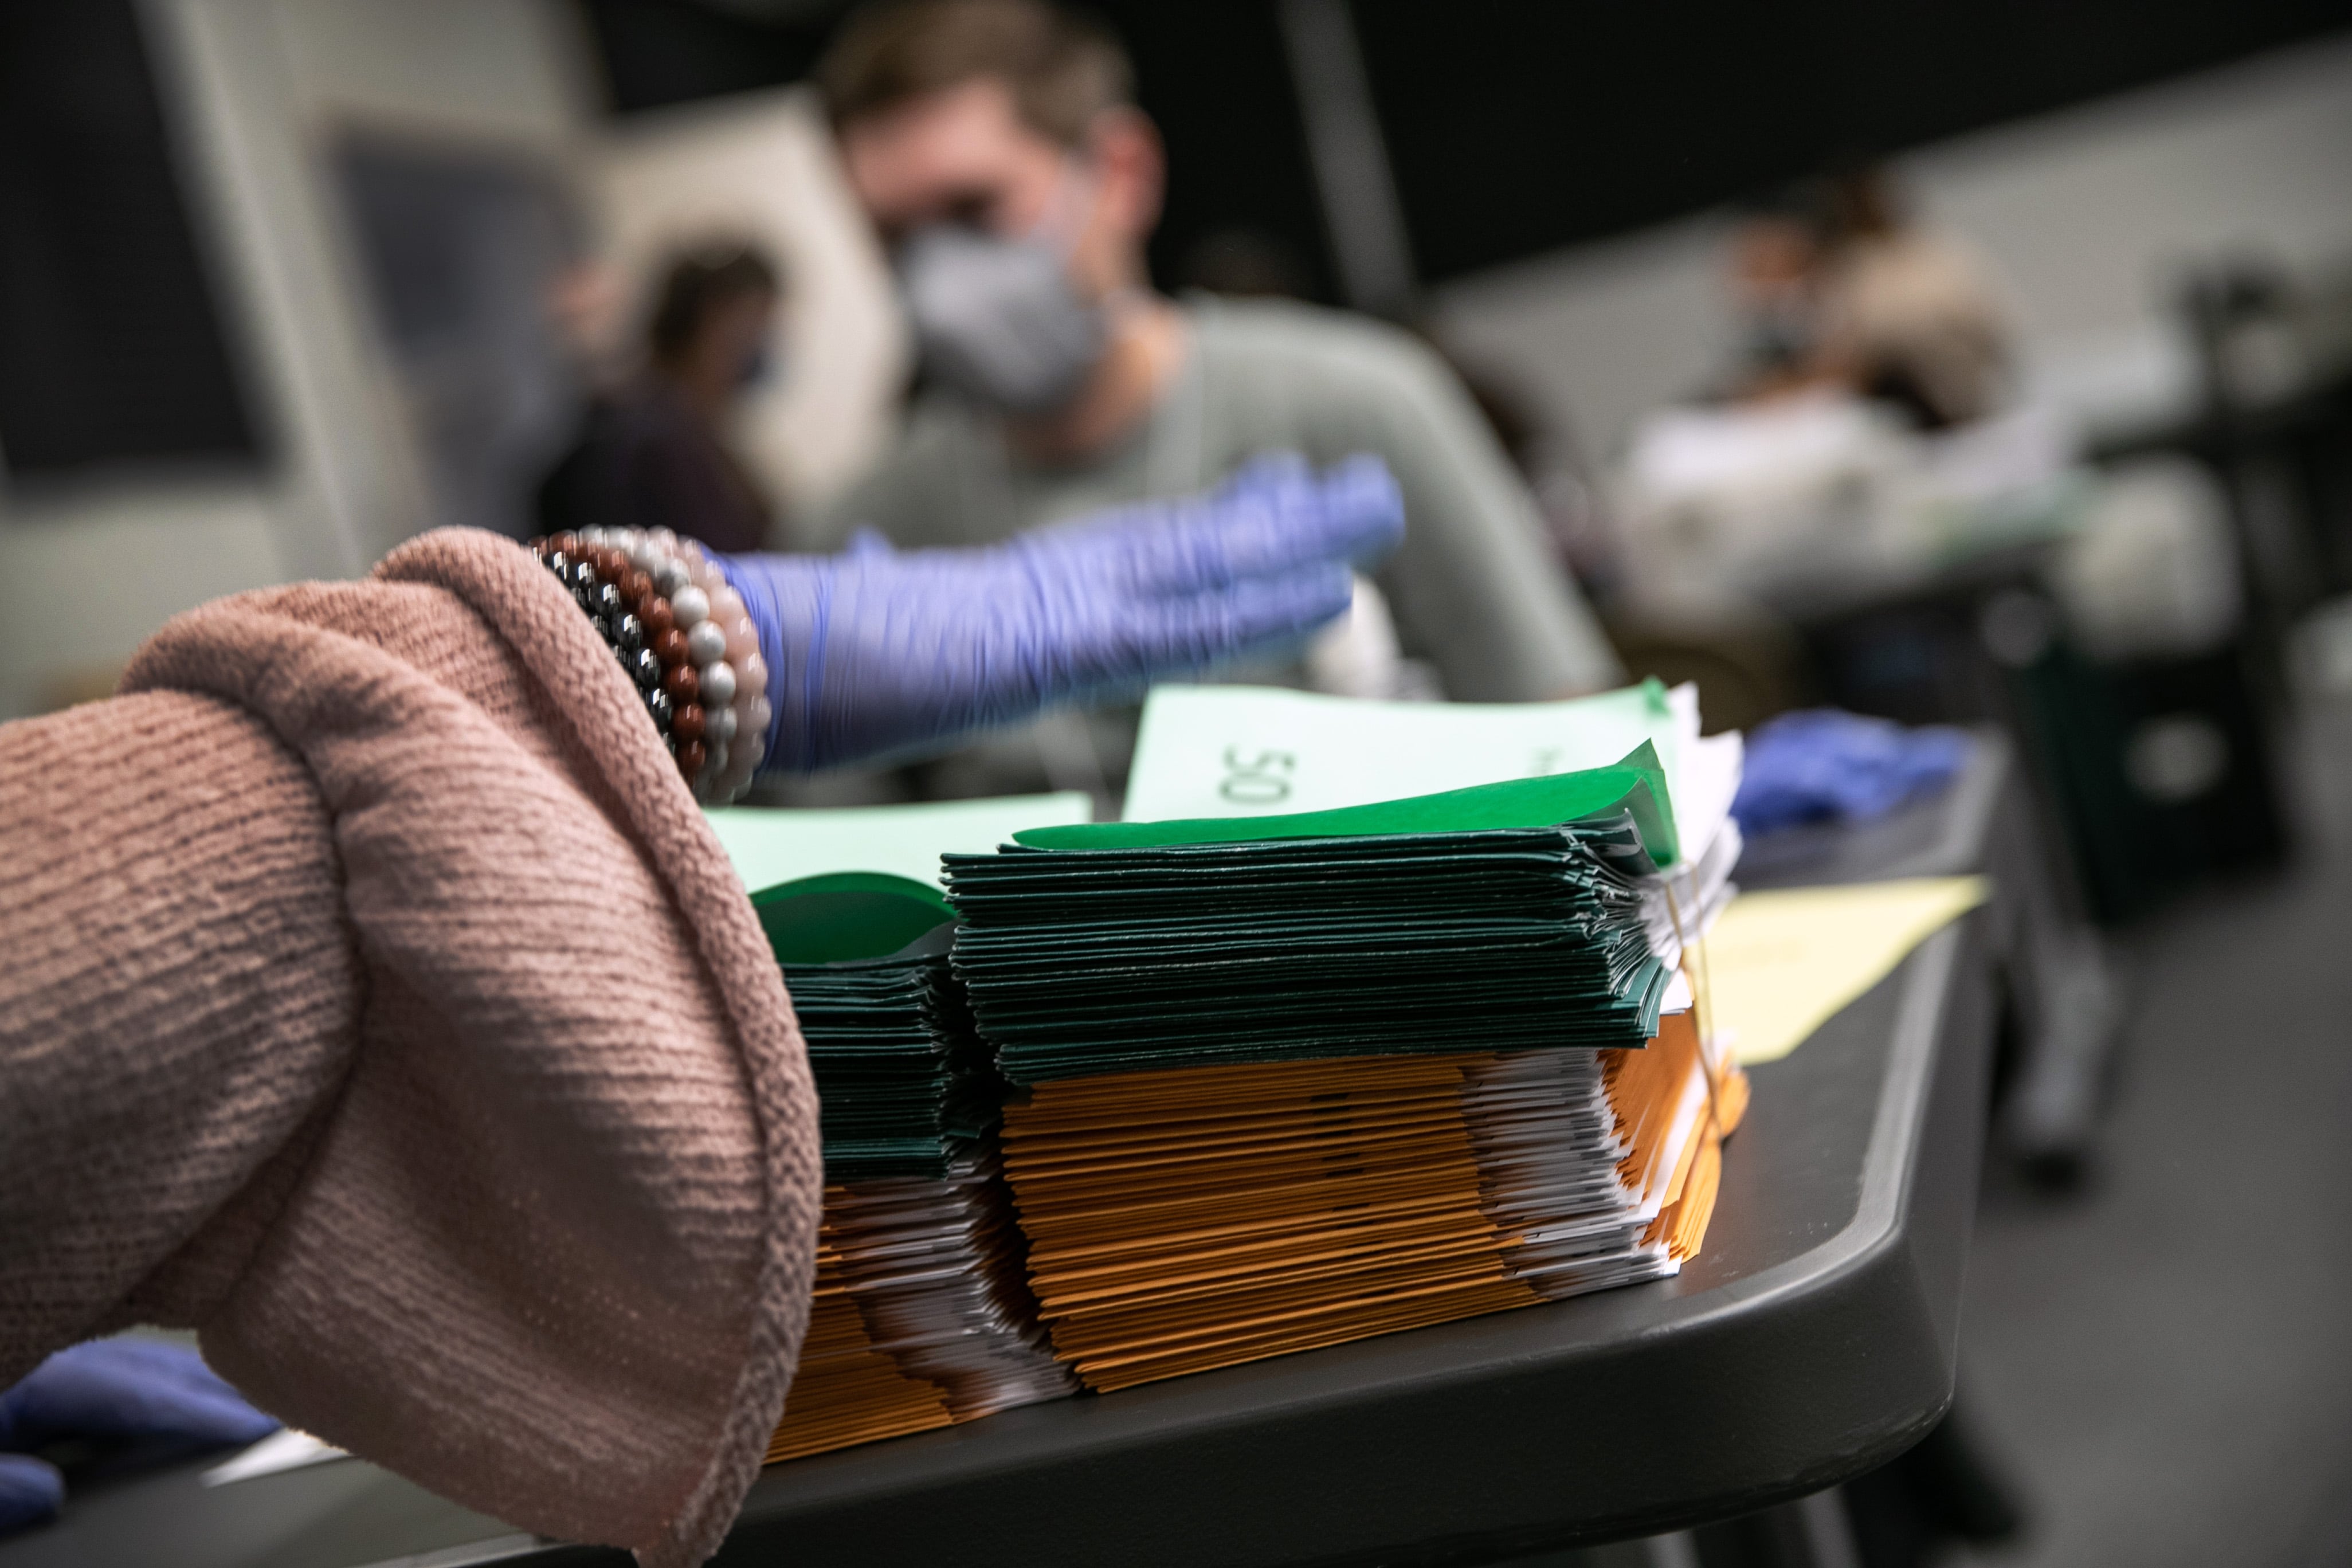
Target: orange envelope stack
{"x": 1292, "y": 1080}
{"x": 937, "y": 1270}
{"x": 1197, "y": 1218}
{"x": 848, "y": 1390}
{"x": 921, "y": 1315}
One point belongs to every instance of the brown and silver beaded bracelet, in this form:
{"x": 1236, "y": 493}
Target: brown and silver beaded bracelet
{"x": 683, "y": 636}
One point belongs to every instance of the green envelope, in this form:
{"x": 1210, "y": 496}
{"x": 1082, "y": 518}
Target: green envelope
{"x": 1241, "y": 751}
{"x": 847, "y": 915}
{"x": 1637, "y": 784}
{"x": 901, "y": 1074}
{"x": 1502, "y": 917}
{"x": 851, "y": 908}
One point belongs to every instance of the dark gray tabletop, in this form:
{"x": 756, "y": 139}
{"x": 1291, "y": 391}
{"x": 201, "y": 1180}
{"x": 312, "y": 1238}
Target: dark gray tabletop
{"x": 1811, "y": 1340}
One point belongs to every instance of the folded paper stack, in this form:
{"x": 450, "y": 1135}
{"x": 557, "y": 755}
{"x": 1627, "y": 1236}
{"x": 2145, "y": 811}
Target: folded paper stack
{"x": 1293, "y": 1080}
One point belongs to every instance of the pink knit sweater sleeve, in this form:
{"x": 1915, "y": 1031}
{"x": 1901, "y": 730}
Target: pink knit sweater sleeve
{"x": 380, "y": 1004}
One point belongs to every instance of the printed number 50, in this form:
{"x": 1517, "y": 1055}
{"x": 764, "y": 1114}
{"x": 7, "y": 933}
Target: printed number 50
{"x": 1256, "y": 781}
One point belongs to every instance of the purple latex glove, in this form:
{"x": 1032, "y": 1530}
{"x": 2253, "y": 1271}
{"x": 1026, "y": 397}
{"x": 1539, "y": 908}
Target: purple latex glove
{"x": 110, "y": 1389}
{"x": 875, "y": 653}
{"x": 1825, "y": 763}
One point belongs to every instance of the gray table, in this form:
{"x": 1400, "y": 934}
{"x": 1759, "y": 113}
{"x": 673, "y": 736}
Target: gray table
{"x": 1812, "y": 1340}
{"x": 2065, "y": 995}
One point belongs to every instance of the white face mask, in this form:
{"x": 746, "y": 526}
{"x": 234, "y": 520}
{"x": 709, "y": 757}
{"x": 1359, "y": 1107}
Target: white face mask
{"x": 998, "y": 319}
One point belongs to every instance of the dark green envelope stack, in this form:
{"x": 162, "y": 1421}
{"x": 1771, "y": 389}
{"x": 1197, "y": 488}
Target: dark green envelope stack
{"x": 901, "y": 1076}
{"x": 1499, "y": 917}
{"x": 922, "y": 1314}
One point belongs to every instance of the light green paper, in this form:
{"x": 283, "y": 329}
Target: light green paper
{"x": 771, "y": 845}
{"x": 1637, "y": 784}
{"x": 1240, "y": 750}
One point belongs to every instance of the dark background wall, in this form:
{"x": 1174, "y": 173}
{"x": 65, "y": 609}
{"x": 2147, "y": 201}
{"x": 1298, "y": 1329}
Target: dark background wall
{"x": 1519, "y": 126}
{"x": 111, "y": 341}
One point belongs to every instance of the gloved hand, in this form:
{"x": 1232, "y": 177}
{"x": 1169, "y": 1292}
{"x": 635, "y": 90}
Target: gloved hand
{"x": 873, "y": 652}
{"x": 1825, "y": 763}
{"x": 114, "y": 1390}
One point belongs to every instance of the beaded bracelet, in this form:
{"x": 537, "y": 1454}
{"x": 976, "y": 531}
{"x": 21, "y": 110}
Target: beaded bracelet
{"x": 685, "y": 639}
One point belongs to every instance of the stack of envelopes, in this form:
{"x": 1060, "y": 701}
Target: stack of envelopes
{"x": 902, "y": 1078}
{"x": 921, "y": 1314}
{"x": 1297, "y": 1080}
{"x": 1240, "y": 751}
{"x": 847, "y": 1389}
{"x": 936, "y": 1268}
{"x": 1194, "y": 1218}
{"x": 1458, "y": 922}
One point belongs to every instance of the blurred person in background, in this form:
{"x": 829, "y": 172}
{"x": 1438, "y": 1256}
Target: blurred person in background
{"x": 1837, "y": 290}
{"x": 653, "y": 450}
{"x": 1865, "y": 429}
{"x": 1779, "y": 250}
{"x": 997, "y": 148}
{"x": 1908, "y": 315}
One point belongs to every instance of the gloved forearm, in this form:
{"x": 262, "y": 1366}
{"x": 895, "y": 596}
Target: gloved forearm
{"x": 120, "y": 1391}
{"x": 873, "y": 653}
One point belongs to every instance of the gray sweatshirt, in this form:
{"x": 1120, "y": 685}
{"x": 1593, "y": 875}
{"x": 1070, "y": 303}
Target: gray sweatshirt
{"x": 1474, "y": 590}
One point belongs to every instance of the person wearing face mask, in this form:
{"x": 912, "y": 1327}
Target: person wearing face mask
{"x": 653, "y": 453}
{"x": 996, "y": 147}
{"x": 1776, "y": 265}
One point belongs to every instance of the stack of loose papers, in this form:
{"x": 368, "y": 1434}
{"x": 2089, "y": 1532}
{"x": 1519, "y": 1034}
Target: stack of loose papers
{"x": 921, "y": 1314}
{"x": 1296, "y": 1079}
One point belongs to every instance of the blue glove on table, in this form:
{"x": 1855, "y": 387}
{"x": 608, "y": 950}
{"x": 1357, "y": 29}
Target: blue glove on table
{"x": 873, "y": 652}
{"x": 114, "y": 1390}
{"x": 1824, "y": 763}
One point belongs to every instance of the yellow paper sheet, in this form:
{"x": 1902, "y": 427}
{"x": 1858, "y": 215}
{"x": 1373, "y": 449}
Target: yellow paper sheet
{"x": 1778, "y": 964}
